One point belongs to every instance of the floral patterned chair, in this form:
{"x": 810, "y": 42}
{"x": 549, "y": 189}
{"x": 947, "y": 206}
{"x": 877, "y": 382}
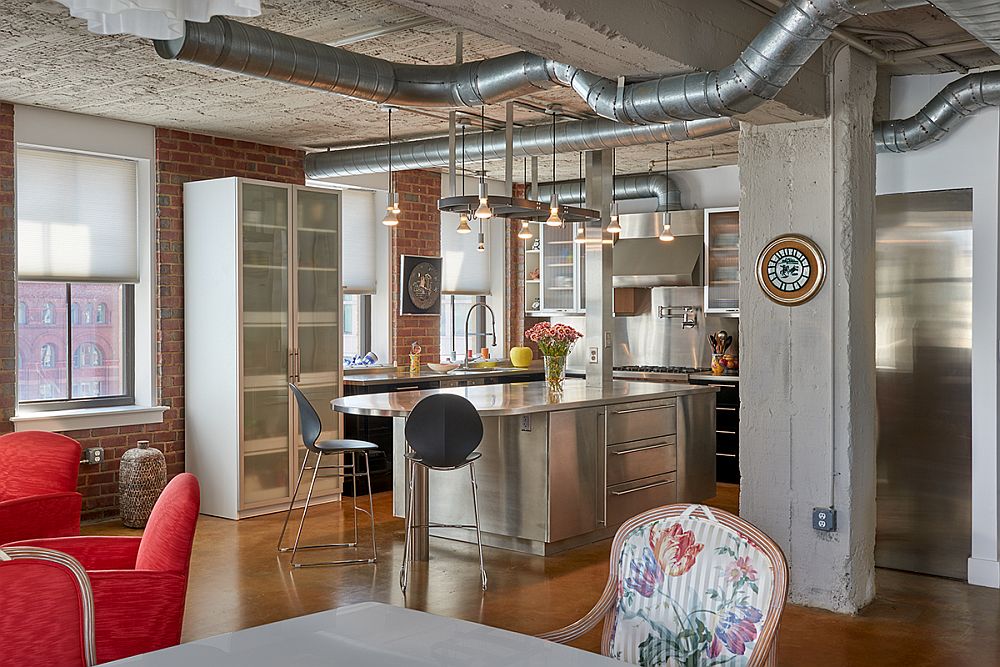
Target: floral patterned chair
{"x": 689, "y": 586}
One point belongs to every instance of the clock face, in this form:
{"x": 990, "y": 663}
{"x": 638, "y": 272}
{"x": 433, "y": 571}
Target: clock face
{"x": 791, "y": 269}
{"x": 424, "y": 285}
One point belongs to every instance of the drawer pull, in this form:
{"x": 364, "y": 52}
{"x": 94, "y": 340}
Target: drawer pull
{"x": 721, "y": 386}
{"x": 720, "y": 407}
{"x": 642, "y": 488}
{"x": 413, "y": 386}
{"x": 728, "y": 456}
{"x": 727, "y": 432}
{"x": 643, "y": 449}
{"x": 646, "y": 409}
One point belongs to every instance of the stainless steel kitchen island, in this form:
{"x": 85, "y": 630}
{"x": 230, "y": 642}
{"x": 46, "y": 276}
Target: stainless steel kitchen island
{"x": 560, "y": 469}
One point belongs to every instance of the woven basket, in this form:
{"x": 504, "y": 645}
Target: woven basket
{"x": 141, "y": 477}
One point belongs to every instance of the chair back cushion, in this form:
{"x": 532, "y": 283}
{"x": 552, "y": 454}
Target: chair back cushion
{"x": 37, "y": 462}
{"x": 443, "y": 429}
{"x": 48, "y": 614}
{"x": 695, "y": 589}
{"x": 166, "y": 542}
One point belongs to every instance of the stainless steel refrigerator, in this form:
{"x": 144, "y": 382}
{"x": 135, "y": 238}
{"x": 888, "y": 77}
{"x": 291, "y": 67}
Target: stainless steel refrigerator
{"x": 923, "y": 320}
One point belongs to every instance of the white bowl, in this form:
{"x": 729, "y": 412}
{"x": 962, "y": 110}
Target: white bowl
{"x": 442, "y": 368}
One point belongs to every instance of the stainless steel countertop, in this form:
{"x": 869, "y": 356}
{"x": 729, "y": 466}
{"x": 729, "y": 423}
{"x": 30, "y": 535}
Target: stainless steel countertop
{"x": 402, "y": 375}
{"x": 520, "y": 398}
{"x": 715, "y": 378}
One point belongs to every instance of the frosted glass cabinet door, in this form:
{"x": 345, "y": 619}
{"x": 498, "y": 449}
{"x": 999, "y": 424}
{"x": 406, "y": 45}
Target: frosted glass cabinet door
{"x": 558, "y": 268}
{"x": 319, "y": 299}
{"x": 265, "y": 334}
{"x": 722, "y": 264}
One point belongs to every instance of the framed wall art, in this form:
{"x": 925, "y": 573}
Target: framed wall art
{"x": 419, "y": 285}
{"x": 791, "y": 269}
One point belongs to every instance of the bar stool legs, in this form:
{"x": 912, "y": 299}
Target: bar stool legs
{"x": 353, "y": 474}
{"x": 409, "y": 525}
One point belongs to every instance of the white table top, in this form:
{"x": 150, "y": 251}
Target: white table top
{"x": 369, "y": 634}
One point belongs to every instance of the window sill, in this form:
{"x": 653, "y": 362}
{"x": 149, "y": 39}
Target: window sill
{"x": 74, "y": 420}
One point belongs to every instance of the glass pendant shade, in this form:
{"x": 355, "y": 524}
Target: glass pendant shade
{"x": 484, "y": 211}
{"x": 666, "y": 234}
{"x": 391, "y": 218}
{"x": 614, "y": 227}
{"x": 525, "y": 231}
{"x": 553, "y": 218}
{"x": 154, "y": 19}
{"x": 463, "y": 224}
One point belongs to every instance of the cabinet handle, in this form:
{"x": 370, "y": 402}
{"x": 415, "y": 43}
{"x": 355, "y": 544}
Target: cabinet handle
{"x": 728, "y": 456}
{"x": 647, "y": 409}
{"x": 642, "y": 449}
{"x": 719, "y": 407}
{"x": 412, "y": 386}
{"x": 726, "y": 432}
{"x": 721, "y": 386}
{"x": 641, "y": 488}
{"x": 291, "y": 366}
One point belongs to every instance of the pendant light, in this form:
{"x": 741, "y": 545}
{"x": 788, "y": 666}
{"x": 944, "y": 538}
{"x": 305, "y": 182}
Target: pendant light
{"x": 482, "y": 239}
{"x": 463, "y": 219}
{"x": 525, "y": 232}
{"x": 614, "y": 227}
{"x": 483, "y": 212}
{"x": 391, "y": 218}
{"x": 581, "y": 227}
{"x": 665, "y": 234}
{"x": 554, "y": 220}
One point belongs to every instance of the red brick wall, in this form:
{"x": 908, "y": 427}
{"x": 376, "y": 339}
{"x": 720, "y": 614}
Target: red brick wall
{"x": 180, "y": 157}
{"x": 8, "y": 259}
{"x": 418, "y": 233}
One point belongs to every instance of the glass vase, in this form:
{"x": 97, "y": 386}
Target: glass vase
{"x": 555, "y": 371}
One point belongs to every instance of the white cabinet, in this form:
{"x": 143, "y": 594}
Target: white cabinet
{"x": 722, "y": 260}
{"x": 554, "y": 271}
{"x": 262, "y": 308}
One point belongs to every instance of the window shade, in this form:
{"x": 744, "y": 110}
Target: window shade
{"x": 464, "y": 269}
{"x": 358, "y": 232}
{"x": 77, "y": 217}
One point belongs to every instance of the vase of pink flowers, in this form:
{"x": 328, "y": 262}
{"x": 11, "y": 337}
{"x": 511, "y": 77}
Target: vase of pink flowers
{"x": 554, "y": 342}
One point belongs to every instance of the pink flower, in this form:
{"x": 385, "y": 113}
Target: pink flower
{"x": 675, "y": 549}
{"x": 741, "y": 568}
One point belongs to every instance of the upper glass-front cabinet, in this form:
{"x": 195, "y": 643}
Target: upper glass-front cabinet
{"x": 553, "y": 271}
{"x": 722, "y": 260}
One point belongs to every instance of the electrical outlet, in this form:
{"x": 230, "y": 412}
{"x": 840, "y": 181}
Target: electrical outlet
{"x": 607, "y": 339}
{"x": 824, "y": 519}
{"x": 593, "y": 355}
{"x": 525, "y": 422}
{"x": 93, "y": 455}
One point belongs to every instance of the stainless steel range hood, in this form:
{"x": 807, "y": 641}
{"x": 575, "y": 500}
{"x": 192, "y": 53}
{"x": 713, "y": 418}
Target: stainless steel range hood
{"x": 640, "y": 259}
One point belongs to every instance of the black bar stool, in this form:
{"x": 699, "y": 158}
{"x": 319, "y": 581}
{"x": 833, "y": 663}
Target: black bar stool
{"x": 443, "y": 432}
{"x": 311, "y": 429}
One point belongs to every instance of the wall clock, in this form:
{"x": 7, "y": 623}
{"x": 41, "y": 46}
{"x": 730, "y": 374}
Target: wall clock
{"x": 791, "y": 269}
{"x": 419, "y": 285}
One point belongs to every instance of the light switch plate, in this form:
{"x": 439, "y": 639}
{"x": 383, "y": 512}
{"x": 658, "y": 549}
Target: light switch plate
{"x": 607, "y": 339}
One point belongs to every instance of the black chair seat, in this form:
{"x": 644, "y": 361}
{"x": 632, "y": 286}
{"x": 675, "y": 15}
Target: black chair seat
{"x": 442, "y": 465}
{"x": 327, "y": 446}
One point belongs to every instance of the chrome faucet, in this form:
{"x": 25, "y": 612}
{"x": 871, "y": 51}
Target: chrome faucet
{"x": 493, "y": 327}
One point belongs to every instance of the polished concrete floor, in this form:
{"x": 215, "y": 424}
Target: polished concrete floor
{"x": 238, "y": 581}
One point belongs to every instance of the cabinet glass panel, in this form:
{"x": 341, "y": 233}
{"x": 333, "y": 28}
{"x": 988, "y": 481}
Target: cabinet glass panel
{"x": 265, "y": 421}
{"x": 558, "y": 268}
{"x": 329, "y": 481}
{"x": 265, "y": 477}
{"x": 722, "y": 236}
{"x": 319, "y": 302}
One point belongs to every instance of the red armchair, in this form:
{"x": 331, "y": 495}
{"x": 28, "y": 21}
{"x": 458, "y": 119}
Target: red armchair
{"x": 48, "y": 616}
{"x": 139, "y": 583}
{"x": 38, "y": 497}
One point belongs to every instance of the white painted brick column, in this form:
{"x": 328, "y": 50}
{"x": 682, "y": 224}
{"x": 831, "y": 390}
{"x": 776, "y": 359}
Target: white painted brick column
{"x": 807, "y": 421}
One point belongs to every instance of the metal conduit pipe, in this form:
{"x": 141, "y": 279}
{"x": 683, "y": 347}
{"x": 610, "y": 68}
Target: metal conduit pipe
{"x": 960, "y": 98}
{"x": 775, "y": 55}
{"x": 245, "y": 49}
{"x": 628, "y": 186}
{"x": 535, "y": 140}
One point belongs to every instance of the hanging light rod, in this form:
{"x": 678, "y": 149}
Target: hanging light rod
{"x": 516, "y": 208}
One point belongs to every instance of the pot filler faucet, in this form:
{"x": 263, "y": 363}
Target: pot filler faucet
{"x": 493, "y": 328}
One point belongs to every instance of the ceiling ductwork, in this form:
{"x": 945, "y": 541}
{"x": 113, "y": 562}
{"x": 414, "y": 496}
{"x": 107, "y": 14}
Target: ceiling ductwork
{"x": 958, "y": 99}
{"x": 246, "y": 49}
{"x": 633, "y": 186}
{"x": 532, "y": 141}
{"x": 979, "y": 18}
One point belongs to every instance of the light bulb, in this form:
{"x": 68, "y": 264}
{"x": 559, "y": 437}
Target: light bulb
{"x": 666, "y": 234}
{"x": 391, "y": 218}
{"x": 525, "y": 232}
{"x": 463, "y": 224}
{"x": 482, "y": 243}
{"x": 483, "y": 212}
{"x": 614, "y": 227}
{"x": 553, "y": 220}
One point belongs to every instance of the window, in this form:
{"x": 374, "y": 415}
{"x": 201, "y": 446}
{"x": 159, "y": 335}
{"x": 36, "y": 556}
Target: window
{"x": 357, "y": 325}
{"x": 78, "y": 265}
{"x": 22, "y": 312}
{"x": 454, "y": 310}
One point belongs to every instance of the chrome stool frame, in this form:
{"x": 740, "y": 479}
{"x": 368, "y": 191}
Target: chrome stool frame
{"x": 310, "y": 420}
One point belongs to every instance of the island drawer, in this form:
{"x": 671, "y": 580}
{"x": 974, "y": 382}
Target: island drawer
{"x": 641, "y": 421}
{"x": 631, "y": 498}
{"x": 633, "y": 460}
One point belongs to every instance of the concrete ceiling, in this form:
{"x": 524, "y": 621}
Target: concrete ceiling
{"x": 48, "y": 58}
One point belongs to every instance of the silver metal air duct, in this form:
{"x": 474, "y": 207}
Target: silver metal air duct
{"x": 245, "y": 49}
{"x": 979, "y": 18}
{"x": 632, "y": 186}
{"x": 774, "y": 56}
{"x": 957, "y": 100}
{"x": 535, "y": 140}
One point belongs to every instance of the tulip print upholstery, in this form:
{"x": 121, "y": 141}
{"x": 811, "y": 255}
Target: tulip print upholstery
{"x": 689, "y": 587}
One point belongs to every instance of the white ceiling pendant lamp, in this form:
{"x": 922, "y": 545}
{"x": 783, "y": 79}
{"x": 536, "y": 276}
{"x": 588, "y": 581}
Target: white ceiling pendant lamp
{"x": 392, "y": 211}
{"x": 463, "y": 218}
{"x": 665, "y": 234}
{"x": 154, "y": 19}
{"x": 484, "y": 212}
{"x": 554, "y": 219}
{"x": 614, "y": 227}
{"x": 525, "y": 232}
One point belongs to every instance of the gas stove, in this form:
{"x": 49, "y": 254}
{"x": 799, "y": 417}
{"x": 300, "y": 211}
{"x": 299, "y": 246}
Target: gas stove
{"x": 657, "y": 373}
